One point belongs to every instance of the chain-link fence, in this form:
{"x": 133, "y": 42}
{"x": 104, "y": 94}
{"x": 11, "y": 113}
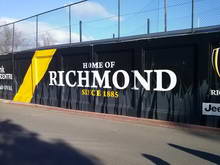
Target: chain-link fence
{"x": 90, "y": 20}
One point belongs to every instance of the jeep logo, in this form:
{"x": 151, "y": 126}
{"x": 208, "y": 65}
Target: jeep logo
{"x": 211, "y": 109}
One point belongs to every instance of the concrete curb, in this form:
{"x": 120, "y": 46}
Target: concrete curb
{"x": 142, "y": 121}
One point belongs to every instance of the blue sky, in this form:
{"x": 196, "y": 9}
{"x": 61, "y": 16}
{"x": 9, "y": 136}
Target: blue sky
{"x": 93, "y": 14}
{"x": 24, "y": 8}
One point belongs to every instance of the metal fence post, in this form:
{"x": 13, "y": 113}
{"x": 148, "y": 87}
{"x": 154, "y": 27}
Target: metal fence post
{"x": 80, "y": 31}
{"x": 36, "y": 31}
{"x": 119, "y": 18}
{"x": 13, "y": 38}
{"x": 70, "y": 27}
{"x": 192, "y": 23}
{"x": 148, "y": 26}
{"x": 165, "y": 15}
{"x": 13, "y": 57}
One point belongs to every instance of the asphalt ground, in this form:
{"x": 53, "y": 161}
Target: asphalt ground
{"x": 32, "y": 135}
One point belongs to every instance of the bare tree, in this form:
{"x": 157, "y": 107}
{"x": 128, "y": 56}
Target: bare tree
{"x": 5, "y": 40}
{"x": 6, "y": 37}
{"x": 46, "y": 39}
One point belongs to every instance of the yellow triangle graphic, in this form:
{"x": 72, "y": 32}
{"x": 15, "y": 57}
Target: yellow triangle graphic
{"x": 35, "y": 73}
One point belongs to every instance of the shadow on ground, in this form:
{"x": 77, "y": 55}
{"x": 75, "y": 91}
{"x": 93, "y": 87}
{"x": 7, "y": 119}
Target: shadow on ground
{"x": 200, "y": 133}
{"x": 22, "y": 147}
{"x": 201, "y": 154}
{"x": 155, "y": 160}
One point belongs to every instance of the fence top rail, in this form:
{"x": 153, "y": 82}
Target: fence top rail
{"x": 71, "y": 4}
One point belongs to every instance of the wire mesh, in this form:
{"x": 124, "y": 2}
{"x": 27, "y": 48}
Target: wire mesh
{"x": 207, "y": 13}
{"x": 24, "y": 35}
{"x": 53, "y": 28}
{"x": 98, "y": 19}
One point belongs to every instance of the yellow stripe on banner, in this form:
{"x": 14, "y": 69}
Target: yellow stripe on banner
{"x": 35, "y": 73}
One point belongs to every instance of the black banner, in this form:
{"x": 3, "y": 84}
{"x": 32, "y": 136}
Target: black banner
{"x": 171, "y": 78}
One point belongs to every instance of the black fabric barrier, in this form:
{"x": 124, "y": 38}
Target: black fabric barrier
{"x": 171, "y": 78}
